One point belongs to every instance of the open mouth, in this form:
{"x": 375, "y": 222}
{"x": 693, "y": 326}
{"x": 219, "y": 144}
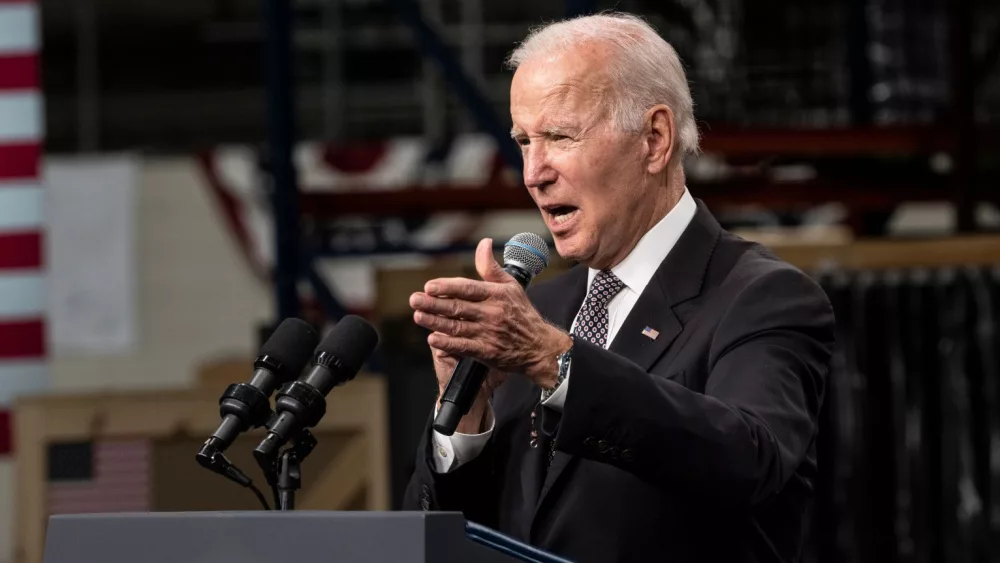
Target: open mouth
{"x": 561, "y": 213}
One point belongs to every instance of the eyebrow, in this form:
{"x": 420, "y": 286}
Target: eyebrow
{"x": 558, "y": 129}
{"x": 550, "y": 130}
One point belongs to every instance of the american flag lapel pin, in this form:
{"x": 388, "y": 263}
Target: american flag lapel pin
{"x": 650, "y": 333}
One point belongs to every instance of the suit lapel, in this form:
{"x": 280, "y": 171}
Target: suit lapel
{"x": 558, "y": 302}
{"x": 678, "y": 279}
{"x": 652, "y": 310}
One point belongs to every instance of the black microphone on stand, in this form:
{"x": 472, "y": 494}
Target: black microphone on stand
{"x": 301, "y": 404}
{"x": 248, "y": 405}
{"x": 524, "y": 257}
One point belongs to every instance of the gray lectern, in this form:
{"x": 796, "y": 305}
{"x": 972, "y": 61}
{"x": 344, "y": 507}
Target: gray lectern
{"x": 289, "y": 536}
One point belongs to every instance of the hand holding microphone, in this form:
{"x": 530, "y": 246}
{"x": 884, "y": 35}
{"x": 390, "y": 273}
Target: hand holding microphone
{"x": 489, "y": 324}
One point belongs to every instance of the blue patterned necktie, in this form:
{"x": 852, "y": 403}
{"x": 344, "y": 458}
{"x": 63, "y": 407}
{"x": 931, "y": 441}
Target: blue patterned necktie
{"x": 592, "y": 320}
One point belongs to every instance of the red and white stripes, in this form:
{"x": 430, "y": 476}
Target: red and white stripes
{"x": 22, "y": 262}
{"x": 121, "y": 481}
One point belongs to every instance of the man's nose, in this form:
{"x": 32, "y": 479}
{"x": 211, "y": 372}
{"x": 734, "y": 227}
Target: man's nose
{"x": 538, "y": 173}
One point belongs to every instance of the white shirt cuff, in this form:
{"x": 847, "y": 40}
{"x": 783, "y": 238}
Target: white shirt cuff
{"x": 451, "y": 452}
{"x": 558, "y": 397}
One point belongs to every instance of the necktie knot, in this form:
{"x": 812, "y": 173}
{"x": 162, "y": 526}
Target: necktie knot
{"x": 606, "y": 285}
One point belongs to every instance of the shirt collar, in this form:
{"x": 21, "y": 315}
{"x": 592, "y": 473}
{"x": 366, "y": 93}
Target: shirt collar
{"x": 640, "y": 265}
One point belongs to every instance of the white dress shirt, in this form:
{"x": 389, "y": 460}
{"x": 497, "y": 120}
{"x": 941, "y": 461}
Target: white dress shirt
{"x": 634, "y": 271}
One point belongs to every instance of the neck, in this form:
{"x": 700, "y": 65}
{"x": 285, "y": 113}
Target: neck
{"x": 668, "y": 197}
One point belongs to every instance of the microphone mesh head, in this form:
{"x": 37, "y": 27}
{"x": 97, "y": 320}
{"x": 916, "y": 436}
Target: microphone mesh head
{"x": 351, "y": 341}
{"x": 291, "y": 345}
{"x": 529, "y": 250}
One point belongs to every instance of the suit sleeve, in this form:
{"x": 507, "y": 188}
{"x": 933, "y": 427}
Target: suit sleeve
{"x": 753, "y": 426}
{"x": 471, "y": 488}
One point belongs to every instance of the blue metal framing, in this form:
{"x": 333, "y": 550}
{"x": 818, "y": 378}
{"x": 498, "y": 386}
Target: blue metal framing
{"x": 282, "y": 181}
{"x": 482, "y": 111}
{"x": 293, "y": 264}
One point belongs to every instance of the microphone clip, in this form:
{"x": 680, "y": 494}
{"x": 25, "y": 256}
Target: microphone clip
{"x": 212, "y": 459}
{"x": 308, "y": 404}
{"x": 247, "y": 403}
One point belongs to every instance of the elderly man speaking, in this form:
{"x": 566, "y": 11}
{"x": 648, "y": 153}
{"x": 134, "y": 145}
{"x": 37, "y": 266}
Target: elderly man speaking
{"x": 659, "y": 401}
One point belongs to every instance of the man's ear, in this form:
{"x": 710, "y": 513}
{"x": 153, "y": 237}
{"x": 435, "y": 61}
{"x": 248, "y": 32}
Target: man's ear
{"x": 659, "y": 138}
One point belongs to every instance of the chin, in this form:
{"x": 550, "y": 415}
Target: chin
{"x": 571, "y": 249}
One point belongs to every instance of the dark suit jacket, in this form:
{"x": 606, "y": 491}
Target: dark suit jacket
{"x": 698, "y": 445}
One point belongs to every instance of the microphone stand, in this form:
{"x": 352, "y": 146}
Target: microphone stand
{"x": 284, "y": 473}
{"x": 290, "y": 468}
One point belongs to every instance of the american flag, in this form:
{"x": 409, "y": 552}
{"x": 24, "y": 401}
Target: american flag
{"x": 651, "y": 333}
{"x": 22, "y": 265}
{"x": 116, "y": 477}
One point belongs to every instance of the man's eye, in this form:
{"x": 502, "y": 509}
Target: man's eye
{"x": 523, "y": 142}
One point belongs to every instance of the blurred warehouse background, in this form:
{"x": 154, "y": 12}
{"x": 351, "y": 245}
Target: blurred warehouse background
{"x": 175, "y": 177}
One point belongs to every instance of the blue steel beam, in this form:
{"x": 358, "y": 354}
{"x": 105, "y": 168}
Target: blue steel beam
{"x": 283, "y": 184}
{"x": 332, "y": 307}
{"x": 482, "y": 111}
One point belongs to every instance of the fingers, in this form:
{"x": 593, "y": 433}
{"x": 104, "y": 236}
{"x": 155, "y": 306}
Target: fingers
{"x": 444, "y": 363}
{"x": 460, "y": 288}
{"x": 455, "y": 327}
{"x": 441, "y": 355}
{"x": 486, "y": 264}
{"x": 451, "y": 308}
{"x": 454, "y": 345}
{"x": 473, "y": 290}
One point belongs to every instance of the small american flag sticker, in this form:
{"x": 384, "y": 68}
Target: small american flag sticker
{"x": 650, "y": 333}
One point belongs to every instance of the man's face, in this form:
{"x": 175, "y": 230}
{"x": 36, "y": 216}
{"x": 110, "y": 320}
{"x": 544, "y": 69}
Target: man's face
{"x": 587, "y": 178}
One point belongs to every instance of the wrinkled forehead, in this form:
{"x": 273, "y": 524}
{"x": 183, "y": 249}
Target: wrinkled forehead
{"x": 568, "y": 83}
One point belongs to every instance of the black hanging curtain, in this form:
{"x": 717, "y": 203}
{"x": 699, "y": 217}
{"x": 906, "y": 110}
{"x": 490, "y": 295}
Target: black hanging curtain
{"x": 910, "y": 440}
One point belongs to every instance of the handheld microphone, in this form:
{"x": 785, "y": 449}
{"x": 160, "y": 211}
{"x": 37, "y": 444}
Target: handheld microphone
{"x": 524, "y": 257}
{"x": 301, "y": 404}
{"x": 247, "y": 405}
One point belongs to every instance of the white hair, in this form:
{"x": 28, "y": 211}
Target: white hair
{"x": 645, "y": 70}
